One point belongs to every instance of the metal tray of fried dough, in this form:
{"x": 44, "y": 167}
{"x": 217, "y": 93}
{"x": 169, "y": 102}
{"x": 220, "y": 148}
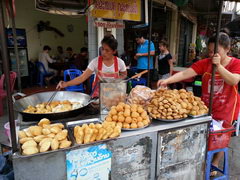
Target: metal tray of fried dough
{"x": 19, "y": 153}
{"x": 71, "y": 125}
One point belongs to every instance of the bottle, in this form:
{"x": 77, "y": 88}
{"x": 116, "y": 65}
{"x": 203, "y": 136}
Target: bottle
{"x": 129, "y": 86}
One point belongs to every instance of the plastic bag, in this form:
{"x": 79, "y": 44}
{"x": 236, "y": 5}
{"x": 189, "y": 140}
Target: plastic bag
{"x": 140, "y": 95}
{"x": 216, "y": 125}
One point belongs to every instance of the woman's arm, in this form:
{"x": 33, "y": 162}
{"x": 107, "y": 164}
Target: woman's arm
{"x": 76, "y": 81}
{"x": 186, "y": 74}
{"x": 230, "y": 78}
{"x": 123, "y": 74}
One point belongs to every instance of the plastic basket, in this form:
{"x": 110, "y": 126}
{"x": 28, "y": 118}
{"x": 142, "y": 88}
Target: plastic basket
{"x": 221, "y": 138}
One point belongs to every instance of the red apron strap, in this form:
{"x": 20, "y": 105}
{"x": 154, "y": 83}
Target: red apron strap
{"x": 100, "y": 63}
{"x": 115, "y": 64}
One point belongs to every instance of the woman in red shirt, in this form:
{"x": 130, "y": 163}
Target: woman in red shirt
{"x": 226, "y": 100}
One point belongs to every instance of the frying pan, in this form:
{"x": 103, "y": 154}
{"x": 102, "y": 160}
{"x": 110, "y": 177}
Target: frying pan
{"x": 21, "y": 104}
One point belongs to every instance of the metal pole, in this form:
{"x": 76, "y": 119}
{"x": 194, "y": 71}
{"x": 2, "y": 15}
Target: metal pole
{"x": 234, "y": 11}
{"x": 5, "y": 58}
{"x": 15, "y": 46}
{"x": 149, "y": 43}
{"x": 215, "y": 51}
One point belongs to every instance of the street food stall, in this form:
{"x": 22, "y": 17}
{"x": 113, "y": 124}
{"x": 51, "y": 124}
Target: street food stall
{"x": 136, "y": 145}
{"x": 164, "y": 127}
{"x": 159, "y": 136}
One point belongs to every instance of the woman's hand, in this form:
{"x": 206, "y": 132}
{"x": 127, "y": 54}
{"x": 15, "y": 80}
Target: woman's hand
{"x": 61, "y": 85}
{"x": 162, "y": 83}
{"x": 216, "y": 59}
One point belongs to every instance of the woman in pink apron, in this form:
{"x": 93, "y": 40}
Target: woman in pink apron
{"x": 106, "y": 65}
{"x": 226, "y": 100}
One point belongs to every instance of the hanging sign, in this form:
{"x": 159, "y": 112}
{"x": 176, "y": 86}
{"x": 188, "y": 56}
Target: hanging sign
{"x": 117, "y": 9}
{"x": 109, "y": 25}
{"x": 93, "y": 162}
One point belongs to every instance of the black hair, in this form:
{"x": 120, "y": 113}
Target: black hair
{"x": 84, "y": 49}
{"x": 164, "y": 43}
{"x": 110, "y": 41}
{"x": 46, "y": 47}
{"x": 69, "y": 49}
{"x": 224, "y": 40}
{"x": 139, "y": 35}
{"x": 59, "y": 47}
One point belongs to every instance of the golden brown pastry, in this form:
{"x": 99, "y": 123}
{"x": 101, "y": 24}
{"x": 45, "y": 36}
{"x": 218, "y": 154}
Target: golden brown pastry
{"x": 45, "y": 140}
{"x": 35, "y": 130}
{"x": 39, "y": 138}
{"x": 23, "y": 140}
{"x": 45, "y": 146}
{"x": 30, "y": 143}
{"x": 44, "y": 121}
{"x": 46, "y": 131}
{"x": 55, "y": 129}
{"x": 22, "y": 134}
{"x": 30, "y": 150}
{"x": 54, "y": 144}
{"x": 61, "y": 135}
{"x": 65, "y": 144}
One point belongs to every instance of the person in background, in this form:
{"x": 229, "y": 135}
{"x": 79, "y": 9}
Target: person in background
{"x": 60, "y": 54}
{"x": 81, "y": 61}
{"x": 104, "y": 66}
{"x": 226, "y": 99}
{"x": 70, "y": 56}
{"x": 45, "y": 59}
{"x": 164, "y": 61}
{"x": 142, "y": 55}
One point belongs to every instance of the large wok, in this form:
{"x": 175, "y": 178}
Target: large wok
{"x": 21, "y": 104}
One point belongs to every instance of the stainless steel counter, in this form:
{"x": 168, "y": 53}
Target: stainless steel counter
{"x": 157, "y": 126}
{"x": 174, "y": 150}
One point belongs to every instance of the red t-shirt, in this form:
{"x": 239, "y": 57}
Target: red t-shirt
{"x": 226, "y": 99}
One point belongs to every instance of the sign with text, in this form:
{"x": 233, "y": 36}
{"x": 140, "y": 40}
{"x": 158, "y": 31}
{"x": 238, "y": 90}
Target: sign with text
{"x": 93, "y": 162}
{"x": 118, "y": 9}
{"x": 109, "y": 25}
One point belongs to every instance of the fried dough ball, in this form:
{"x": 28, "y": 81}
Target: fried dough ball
{"x": 119, "y": 108}
{"x": 128, "y": 120}
{"x": 140, "y": 124}
{"x": 108, "y": 118}
{"x": 126, "y": 125}
{"x": 114, "y": 117}
{"x": 134, "y": 125}
{"x": 121, "y": 118}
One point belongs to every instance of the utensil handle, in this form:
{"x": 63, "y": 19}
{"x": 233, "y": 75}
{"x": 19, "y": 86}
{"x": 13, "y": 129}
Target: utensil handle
{"x": 139, "y": 74}
{"x": 17, "y": 94}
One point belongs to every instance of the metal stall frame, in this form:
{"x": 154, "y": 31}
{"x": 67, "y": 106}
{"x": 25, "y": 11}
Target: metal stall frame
{"x": 5, "y": 58}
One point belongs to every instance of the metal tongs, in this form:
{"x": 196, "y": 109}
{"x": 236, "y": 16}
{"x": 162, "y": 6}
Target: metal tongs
{"x": 52, "y": 97}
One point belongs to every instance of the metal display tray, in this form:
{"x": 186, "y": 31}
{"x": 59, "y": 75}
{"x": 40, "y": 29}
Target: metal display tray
{"x": 135, "y": 129}
{"x": 197, "y": 116}
{"x": 170, "y": 120}
{"x": 19, "y": 153}
{"x": 71, "y": 125}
